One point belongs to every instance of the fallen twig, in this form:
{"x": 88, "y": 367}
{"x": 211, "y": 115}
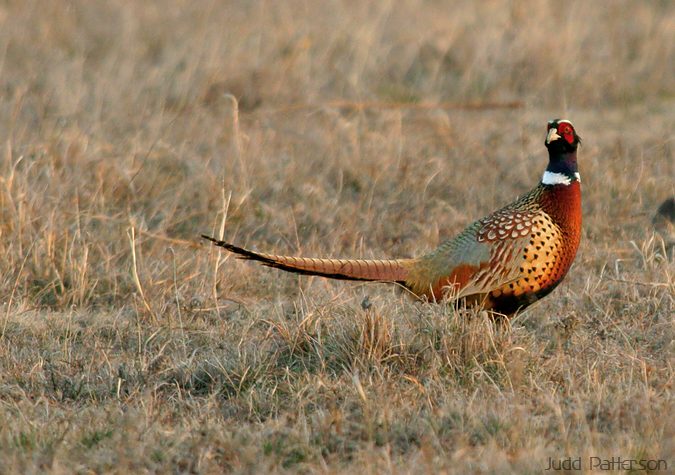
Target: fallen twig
{"x": 375, "y": 105}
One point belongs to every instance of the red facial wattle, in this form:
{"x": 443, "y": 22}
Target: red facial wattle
{"x": 567, "y": 132}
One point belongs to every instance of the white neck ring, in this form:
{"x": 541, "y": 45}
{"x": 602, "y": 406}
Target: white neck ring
{"x": 552, "y": 178}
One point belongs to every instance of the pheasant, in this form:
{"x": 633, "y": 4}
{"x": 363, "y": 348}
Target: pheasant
{"x": 502, "y": 262}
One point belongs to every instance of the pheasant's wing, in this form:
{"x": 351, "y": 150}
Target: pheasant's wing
{"x": 485, "y": 256}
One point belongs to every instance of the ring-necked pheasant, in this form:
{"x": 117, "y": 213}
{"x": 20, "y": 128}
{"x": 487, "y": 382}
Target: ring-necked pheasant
{"x": 503, "y": 262}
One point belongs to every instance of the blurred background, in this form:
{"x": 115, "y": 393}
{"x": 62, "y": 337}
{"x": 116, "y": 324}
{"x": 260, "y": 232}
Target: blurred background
{"x": 112, "y": 115}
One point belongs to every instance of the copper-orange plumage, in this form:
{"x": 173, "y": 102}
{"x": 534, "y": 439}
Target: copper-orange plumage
{"x": 503, "y": 262}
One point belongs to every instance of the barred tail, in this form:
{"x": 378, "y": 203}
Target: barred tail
{"x": 346, "y": 269}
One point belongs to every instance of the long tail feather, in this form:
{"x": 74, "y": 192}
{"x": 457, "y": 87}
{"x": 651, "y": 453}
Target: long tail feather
{"x": 393, "y": 270}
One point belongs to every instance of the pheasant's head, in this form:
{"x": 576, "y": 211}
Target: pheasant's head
{"x": 561, "y": 136}
{"x": 562, "y": 142}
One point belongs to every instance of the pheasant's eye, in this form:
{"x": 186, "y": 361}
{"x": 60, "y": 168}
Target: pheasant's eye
{"x": 568, "y": 130}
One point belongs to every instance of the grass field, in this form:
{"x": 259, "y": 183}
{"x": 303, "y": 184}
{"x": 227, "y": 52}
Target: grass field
{"x": 129, "y": 345}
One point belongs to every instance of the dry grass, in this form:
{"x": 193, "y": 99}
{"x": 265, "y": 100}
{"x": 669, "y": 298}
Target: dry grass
{"x": 128, "y": 345}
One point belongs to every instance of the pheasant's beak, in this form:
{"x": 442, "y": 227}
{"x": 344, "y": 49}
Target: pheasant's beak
{"x": 552, "y": 135}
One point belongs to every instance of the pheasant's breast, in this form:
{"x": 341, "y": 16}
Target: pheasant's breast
{"x": 541, "y": 263}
